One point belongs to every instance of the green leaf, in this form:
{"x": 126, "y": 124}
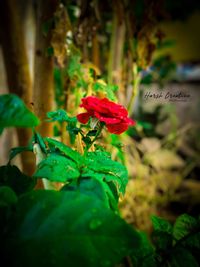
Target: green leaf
{"x": 7, "y": 196}
{"x": 60, "y": 115}
{"x": 39, "y": 140}
{"x": 160, "y": 224}
{"x": 70, "y": 153}
{"x": 187, "y": 228}
{"x": 57, "y": 228}
{"x": 181, "y": 258}
{"x": 17, "y": 150}
{"x": 87, "y": 140}
{"x": 162, "y": 233}
{"x": 8, "y": 199}
{"x": 13, "y": 112}
{"x": 144, "y": 255}
{"x": 90, "y": 187}
{"x": 57, "y": 168}
{"x": 114, "y": 171}
{"x": 109, "y": 188}
{"x": 73, "y": 131}
{"x": 162, "y": 240}
{"x": 11, "y": 176}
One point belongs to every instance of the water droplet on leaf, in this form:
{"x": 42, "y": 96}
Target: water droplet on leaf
{"x": 95, "y": 223}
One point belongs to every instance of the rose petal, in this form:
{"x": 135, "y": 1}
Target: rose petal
{"x": 107, "y": 120}
{"x": 130, "y": 121}
{"x": 117, "y": 128}
{"x": 83, "y": 117}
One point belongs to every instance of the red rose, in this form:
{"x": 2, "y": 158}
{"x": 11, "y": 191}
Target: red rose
{"x": 115, "y": 116}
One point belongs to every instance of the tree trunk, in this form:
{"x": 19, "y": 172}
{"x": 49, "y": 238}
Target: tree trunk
{"x": 43, "y": 94}
{"x": 16, "y": 64}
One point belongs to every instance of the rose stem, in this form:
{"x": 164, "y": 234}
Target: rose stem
{"x": 96, "y": 136}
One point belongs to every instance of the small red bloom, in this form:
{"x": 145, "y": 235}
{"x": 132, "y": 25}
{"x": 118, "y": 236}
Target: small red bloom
{"x": 115, "y": 116}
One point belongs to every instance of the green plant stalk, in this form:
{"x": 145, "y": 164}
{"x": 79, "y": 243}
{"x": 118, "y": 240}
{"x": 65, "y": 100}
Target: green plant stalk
{"x": 136, "y": 83}
{"x": 95, "y": 138}
{"x": 39, "y": 157}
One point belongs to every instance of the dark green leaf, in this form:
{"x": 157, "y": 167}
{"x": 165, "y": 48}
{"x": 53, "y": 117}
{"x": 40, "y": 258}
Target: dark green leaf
{"x": 160, "y": 224}
{"x": 39, "y": 140}
{"x": 87, "y": 140}
{"x": 70, "y": 153}
{"x": 108, "y": 187}
{"x": 60, "y": 115}
{"x": 7, "y": 196}
{"x": 181, "y": 258}
{"x": 162, "y": 240}
{"x": 13, "y": 112}
{"x": 57, "y": 228}
{"x": 17, "y": 150}
{"x": 162, "y": 233}
{"x": 92, "y": 133}
{"x": 187, "y": 228}
{"x": 11, "y": 176}
{"x": 144, "y": 255}
{"x": 8, "y": 199}
{"x": 57, "y": 168}
{"x": 90, "y": 187}
{"x": 73, "y": 131}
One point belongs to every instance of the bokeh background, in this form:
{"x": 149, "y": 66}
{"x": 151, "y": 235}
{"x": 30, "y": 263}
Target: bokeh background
{"x": 53, "y": 53}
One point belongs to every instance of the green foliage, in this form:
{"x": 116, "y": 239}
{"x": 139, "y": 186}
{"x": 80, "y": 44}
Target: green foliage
{"x": 161, "y": 225}
{"x": 17, "y": 150}
{"x": 13, "y": 112}
{"x": 91, "y": 187}
{"x": 116, "y": 142}
{"x": 181, "y": 258}
{"x": 8, "y": 199}
{"x": 62, "y": 116}
{"x": 66, "y": 150}
{"x": 11, "y": 176}
{"x": 172, "y": 244}
{"x": 187, "y": 226}
{"x": 144, "y": 256}
{"x": 80, "y": 224}
{"x": 66, "y": 228}
{"x": 57, "y": 168}
{"x": 64, "y": 164}
{"x": 74, "y": 67}
{"x": 109, "y": 89}
{"x": 110, "y": 171}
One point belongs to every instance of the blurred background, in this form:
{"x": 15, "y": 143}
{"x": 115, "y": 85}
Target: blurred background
{"x": 142, "y": 54}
